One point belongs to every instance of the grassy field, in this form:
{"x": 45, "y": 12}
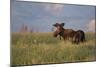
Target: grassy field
{"x": 43, "y": 48}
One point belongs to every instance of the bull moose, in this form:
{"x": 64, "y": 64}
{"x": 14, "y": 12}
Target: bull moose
{"x": 66, "y": 34}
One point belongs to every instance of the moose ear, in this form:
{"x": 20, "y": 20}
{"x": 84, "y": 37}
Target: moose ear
{"x": 54, "y": 25}
{"x": 62, "y": 24}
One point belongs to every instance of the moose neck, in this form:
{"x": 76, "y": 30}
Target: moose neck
{"x": 62, "y": 32}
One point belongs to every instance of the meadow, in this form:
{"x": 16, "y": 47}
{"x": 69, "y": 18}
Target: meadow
{"x": 43, "y": 48}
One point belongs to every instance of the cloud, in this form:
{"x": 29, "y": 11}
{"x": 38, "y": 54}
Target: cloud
{"x": 54, "y": 9}
{"x": 91, "y": 25}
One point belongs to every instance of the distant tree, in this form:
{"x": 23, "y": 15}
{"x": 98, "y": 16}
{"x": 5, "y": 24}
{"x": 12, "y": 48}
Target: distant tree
{"x": 24, "y": 28}
{"x": 31, "y": 30}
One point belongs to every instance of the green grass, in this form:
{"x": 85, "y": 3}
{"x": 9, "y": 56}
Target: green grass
{"x": 43, "y": 48}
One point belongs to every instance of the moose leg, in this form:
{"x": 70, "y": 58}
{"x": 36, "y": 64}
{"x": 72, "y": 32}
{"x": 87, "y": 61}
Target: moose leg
{"x": 73, "y": 40}
{"x": 60, "y": 37}
{"x": 65, "y": 39}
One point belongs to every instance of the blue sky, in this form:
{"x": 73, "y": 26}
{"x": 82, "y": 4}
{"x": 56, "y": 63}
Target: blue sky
{"x": 41, "y": 16}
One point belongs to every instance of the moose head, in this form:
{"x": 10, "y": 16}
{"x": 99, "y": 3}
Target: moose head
{"x": 59, "y": 28}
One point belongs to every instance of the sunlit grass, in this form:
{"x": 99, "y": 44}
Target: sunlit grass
{"x": 43, "y": 48}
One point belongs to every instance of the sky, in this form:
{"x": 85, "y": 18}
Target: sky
{"x": 41, "y": 16}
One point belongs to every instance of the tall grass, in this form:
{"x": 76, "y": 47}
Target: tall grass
{"x": 43, "y": 48}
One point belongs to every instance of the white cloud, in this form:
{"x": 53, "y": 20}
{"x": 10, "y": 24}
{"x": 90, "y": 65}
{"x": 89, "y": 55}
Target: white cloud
{"x": 54, "y": 8}
{"x": 91, "y": 25}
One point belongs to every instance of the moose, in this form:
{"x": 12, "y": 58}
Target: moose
{"x": 66, "y": 34}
